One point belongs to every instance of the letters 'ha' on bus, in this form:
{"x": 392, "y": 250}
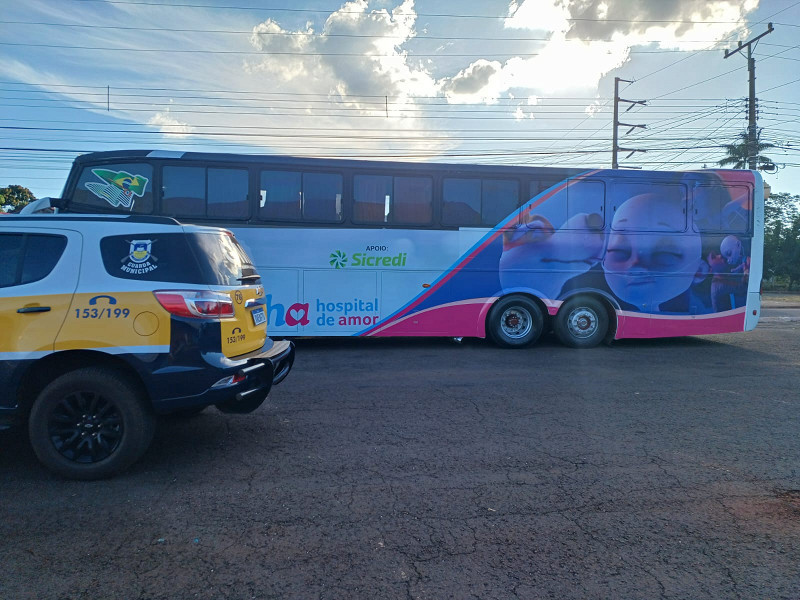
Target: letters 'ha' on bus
{"x": 361, "y": 248}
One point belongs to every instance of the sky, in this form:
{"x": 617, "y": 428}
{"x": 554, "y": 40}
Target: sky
{"x": 527, "y": 82}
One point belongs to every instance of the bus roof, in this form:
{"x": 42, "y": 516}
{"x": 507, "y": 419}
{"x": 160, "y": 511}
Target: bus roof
{"x": 338, "y": 163}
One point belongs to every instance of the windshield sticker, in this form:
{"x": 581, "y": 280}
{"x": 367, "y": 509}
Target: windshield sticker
{"x": 140, "y": 259}
{"x": 120, "y": 187}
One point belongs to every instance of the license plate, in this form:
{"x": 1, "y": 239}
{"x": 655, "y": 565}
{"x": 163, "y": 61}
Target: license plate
{"x": 259, "y": 316}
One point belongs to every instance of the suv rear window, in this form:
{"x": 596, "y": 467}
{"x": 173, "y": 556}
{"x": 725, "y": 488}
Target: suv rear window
{"x": 197, "y": 258}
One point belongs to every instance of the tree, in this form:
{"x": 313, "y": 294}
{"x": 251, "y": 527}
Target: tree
{"x": 782, "y": 238}
{"x": 738, "y": 154}
{"x": 15, "y": 196}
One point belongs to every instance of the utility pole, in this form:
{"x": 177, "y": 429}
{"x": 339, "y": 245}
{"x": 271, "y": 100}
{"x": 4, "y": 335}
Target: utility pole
{"x": 752, "y": 132}
{"x": 615, "y": 143}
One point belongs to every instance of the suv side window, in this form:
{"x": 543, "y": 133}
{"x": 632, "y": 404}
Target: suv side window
{"x": 28, "y": 257}
{"x": 145, "y": 257}
{"x": 200, "y": 258}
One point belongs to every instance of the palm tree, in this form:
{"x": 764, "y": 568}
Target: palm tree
{"x": 739, "y": 156}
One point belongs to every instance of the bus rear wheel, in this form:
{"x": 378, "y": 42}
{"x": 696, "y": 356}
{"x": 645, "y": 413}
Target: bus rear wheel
{"x": 515, "y": 322}
{"x": 581, "y": 322}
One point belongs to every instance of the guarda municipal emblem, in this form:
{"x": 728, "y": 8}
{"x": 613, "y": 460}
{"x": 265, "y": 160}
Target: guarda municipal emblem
{"x": 140, "y": 258}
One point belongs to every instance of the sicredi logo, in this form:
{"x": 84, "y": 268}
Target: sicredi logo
{"x": 340, "y": 260}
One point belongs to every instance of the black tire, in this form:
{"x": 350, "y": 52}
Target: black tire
{"x": 515, "y": 322}
{"x": 90, "y": 423}
{"x": 581, "y": 322}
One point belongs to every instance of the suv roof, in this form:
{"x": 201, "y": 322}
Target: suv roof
{"x": 56, "y": 219}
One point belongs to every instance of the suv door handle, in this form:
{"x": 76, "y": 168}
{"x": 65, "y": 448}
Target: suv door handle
{"x": 33, "y": 309}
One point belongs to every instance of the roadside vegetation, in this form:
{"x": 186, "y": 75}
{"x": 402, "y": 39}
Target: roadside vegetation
{"x": 782, "y": 242}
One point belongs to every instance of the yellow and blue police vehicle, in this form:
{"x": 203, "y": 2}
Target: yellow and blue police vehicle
{"x": 108, "y": 321}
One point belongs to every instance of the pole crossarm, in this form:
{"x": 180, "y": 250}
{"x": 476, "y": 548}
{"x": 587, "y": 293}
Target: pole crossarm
{"x": 615, "y": 140}
{"x": 747, "y": 45}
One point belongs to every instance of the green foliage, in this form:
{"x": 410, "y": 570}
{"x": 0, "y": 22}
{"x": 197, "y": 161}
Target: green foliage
{"x": 738, "y": 154}
{"x": 782, "y": 240}
{"x": 15, "y": 196}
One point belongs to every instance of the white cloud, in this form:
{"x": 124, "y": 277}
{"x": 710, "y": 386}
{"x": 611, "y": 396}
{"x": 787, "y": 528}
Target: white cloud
{"x": 372, "y": 62}
{"x": 169, "y": 124}
{"x": 538, "y": 15}
{"x": 590, "y": 38}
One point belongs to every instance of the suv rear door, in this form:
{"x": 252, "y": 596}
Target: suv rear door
{"x": 228, "y": 267}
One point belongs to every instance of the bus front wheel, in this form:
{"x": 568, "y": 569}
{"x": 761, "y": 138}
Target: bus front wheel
{"x": 515, "y": 322}
{"x": 581, "y": 322}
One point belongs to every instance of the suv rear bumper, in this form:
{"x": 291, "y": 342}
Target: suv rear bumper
{"x": 255, "y": 374}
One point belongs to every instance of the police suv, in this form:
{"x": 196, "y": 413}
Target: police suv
{"x": 108, "y": 321}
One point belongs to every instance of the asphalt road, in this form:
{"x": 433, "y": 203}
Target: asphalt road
{"x": 429, "y": 469}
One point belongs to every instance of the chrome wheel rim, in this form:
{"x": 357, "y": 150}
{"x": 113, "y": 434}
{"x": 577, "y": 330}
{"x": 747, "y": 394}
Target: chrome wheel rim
{"x": 516, "y": 322}
{"x": 582, "y": 323}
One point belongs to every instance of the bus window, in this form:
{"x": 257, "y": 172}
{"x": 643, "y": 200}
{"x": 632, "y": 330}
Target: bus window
{"x": 722, "y": 209}
{"x": 499, "y": 199}
{"x": 538, "y": 186}
{"x": 672, "y": 197}
{"x": 281, "y": 195}
{"x": 125, "y": 187}
{"x": 413, "y": 201}
{"x": 183, "y": 191}
{"x": 227, "y": 193}
{"x": 461, "y": 202}
{"x": 372, "y": 198}
{"x": 586, "y": 198}
{"x": 322, "y": 197}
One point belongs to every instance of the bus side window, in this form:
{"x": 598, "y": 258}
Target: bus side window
{"x": 124, "y": 187}
{"x": 183, "y": 191}
{"x": 372, "y": 198}
{"x": 227, "y": 193}
{"x": 499, "y": 200}
{"x": 586, "y": 197}
{"x": 461, "y": 202}
{"x": 322, "y": 197}
{"x": 722, "y": 209}
{"x": 281, "y": 195}
{"x": 413, "y": 201}
{"x": 670, "y": 200}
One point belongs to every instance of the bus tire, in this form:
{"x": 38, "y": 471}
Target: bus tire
{"x": 515, "y": 322}
{"x": 581, "y": 322}
{"x": 90, "y": 424}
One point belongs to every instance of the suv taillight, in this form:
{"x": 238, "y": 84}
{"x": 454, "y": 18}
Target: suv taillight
{"x": 195, "y": 303}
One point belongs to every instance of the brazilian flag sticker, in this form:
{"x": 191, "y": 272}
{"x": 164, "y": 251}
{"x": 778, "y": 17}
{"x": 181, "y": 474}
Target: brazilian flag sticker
{"x": 119, "y": 188}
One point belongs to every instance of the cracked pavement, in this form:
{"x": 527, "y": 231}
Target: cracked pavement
{"x": 429, "y": 469}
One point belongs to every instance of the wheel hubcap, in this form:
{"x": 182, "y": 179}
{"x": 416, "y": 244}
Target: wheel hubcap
{"x": 85, "y": 427}
{"x": 582, "y": 323}
{"x": 516, "y": 322}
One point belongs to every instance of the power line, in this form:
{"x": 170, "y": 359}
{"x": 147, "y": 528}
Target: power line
{"x": 397, "y": 13}
{"x": 281, "y": 53}
{"x": 252, "y": 32}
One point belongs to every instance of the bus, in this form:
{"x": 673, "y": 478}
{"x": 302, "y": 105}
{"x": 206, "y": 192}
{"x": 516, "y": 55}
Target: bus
{"x": 371, "y": 248}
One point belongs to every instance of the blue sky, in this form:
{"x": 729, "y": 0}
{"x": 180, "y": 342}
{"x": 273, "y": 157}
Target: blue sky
{"x": 520, "y": 82}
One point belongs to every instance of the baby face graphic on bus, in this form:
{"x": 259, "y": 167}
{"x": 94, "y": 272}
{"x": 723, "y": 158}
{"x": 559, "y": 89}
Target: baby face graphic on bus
{"x": 540, "y": 257}
{"x": 647, "y": 261}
